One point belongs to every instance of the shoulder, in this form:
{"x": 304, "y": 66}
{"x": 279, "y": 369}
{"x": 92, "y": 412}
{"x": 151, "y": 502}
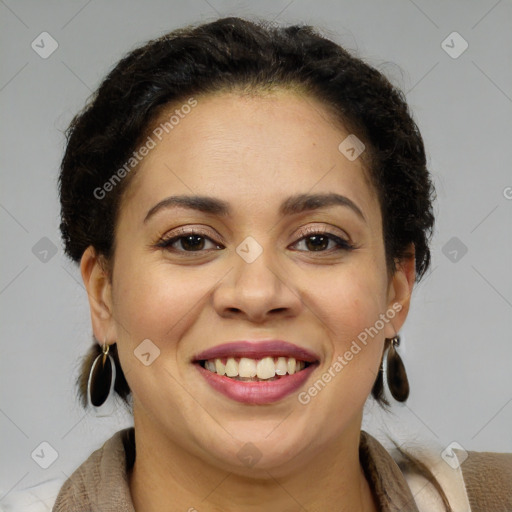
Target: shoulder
{"x": 90, "y": 483}
{"x": 101, "y": 481}
{"x": 488, "y": 480}
{"x": 475, "y": 481}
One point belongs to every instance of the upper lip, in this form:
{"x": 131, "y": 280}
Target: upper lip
{"x": 257, "y": 350}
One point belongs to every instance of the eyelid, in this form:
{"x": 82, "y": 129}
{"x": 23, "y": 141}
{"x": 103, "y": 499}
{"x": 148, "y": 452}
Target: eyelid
{"x": 322, "y": 228}
{"x": 191, "y": 230}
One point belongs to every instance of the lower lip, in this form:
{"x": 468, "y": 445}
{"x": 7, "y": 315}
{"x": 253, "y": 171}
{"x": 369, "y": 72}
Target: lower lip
{"x": 258, "y": 393}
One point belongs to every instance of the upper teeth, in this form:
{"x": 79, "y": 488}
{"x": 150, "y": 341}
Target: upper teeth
{"x": 265, "y": 368}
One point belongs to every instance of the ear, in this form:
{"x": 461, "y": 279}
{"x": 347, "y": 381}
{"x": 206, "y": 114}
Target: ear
{"x": 400, "y": 290}
{"x": 99, "y": 292}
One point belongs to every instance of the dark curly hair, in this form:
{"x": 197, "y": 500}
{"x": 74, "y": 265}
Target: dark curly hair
{"x": 232, "y": 54}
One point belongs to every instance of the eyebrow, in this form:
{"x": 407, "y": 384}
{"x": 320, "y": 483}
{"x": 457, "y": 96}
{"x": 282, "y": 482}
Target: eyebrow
{"x": 291, "y": 206}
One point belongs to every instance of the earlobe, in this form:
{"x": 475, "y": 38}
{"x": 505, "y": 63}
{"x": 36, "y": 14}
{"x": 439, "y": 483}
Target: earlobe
{"x": 99, "y": 293}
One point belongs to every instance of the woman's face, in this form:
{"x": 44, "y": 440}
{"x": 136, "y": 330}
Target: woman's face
{"x": 263, "y": 263}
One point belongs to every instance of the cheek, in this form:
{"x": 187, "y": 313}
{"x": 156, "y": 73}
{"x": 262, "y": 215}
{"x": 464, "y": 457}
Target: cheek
{"x": 155, "y": 301}
{"x": 352, "y": 302}
{"x": 159, "y": 304}
{"x": 351, "y": 307}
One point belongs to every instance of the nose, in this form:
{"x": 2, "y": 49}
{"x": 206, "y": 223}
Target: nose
{"x": 258, "y": 291}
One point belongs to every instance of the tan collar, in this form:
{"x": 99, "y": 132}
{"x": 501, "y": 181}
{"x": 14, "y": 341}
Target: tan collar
{"x": 384, "y": 476}
{"x": 101, "y": 482}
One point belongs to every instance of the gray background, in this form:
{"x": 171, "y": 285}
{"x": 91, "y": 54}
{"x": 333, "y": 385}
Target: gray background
{"x": 457, "y": 341}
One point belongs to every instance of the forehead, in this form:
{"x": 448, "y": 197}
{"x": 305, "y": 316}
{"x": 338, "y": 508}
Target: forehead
{"x": 253, "y": 148}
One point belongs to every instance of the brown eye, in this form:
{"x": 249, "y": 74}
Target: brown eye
{"x": 322, "y": 242}
{"x": 317, "y": 242}
{"x": 190, "y": 242}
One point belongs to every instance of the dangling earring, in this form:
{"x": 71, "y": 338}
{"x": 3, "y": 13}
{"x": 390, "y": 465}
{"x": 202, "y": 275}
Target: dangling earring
{"x": 398, "y": 383}
{"x": 101, "y": 378}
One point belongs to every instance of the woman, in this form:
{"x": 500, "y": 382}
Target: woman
{"x": 250, "y": 208}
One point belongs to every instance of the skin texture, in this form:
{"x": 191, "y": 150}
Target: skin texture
{"x": 252, "y": 151}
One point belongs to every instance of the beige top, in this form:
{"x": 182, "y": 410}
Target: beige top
{"x": 482, "y": 483}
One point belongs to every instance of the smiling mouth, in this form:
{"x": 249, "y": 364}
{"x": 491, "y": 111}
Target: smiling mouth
{"x": 246, "y": 369}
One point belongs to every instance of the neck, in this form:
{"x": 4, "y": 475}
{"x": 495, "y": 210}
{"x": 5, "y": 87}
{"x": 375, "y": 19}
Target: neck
{"x": 164, "y": 473}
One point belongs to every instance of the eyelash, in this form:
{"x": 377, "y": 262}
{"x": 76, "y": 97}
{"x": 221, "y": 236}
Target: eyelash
{"x": 343, "y": 245}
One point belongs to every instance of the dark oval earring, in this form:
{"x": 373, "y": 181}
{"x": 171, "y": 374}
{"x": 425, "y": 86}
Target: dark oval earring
{"x": 396, "y": 375}
{"x": 101, "y": 378}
